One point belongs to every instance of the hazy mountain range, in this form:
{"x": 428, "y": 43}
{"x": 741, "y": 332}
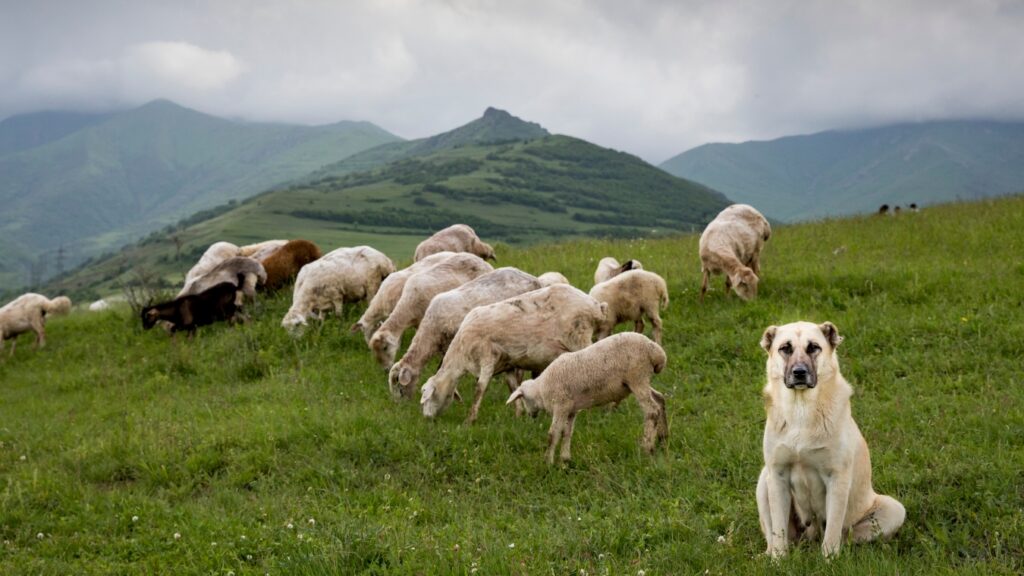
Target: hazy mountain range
{"x": 846, "y": 172}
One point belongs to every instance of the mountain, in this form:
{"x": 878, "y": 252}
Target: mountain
{"x": 856, "y": 171}
{"x": 518, "y": 191}
{"x": 495, "y": 126}
{"x": 81, "y": 184}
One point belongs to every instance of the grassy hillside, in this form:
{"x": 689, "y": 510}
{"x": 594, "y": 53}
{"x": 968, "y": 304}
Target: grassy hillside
{"x": 118, "y": 177}
{"x": 515, "y": 193}
{"x": 849, "y": 172}
{"x": 248, "y": 452}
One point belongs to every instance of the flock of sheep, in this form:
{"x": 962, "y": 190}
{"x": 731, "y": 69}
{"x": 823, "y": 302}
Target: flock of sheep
{"x": 479, "y": 320}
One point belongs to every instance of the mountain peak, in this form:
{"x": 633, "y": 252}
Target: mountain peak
{"x": 493, "y": 112}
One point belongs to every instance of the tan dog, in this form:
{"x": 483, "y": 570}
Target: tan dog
{"x": 817, "y": 470}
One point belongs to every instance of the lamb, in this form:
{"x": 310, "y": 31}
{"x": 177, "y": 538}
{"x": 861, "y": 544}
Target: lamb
{"x": 390, "y": 291}
{"x": 285, "y": 263}
{"x": 455, "y": 238}
{"x": 215, "y": 254}
{"x": 419, "y": 290}
{"x": 602, "y": 373}
{"x": 548, "y": 278}
{"x": 631, "y": 296}
{"x": 28, "y": 312}
{"x": 248, "y": 272}
{"x": 344, "y": 275}
{"x": 194, "y": 310}
{"x": 609, "y": 268}
{"x": 444, "y": 315}
{"x": 526, "y": 332}
{"x": 731, "y": 244}
{"x": 261, "y": 250}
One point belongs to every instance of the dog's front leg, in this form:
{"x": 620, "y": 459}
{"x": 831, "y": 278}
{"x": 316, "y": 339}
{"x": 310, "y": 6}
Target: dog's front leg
{"x": 837, "y": 496}
{"x": 779, "y": 503}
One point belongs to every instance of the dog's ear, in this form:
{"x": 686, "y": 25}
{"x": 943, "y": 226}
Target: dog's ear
{"x": 768, "y": 337}
{"x": 831, "y": 334}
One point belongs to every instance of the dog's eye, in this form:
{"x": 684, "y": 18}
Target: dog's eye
{"x": 812, "y": 348}
{"x": 786, "y": 348}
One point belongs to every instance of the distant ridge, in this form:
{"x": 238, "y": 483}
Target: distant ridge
{"x": 855, "y": 171}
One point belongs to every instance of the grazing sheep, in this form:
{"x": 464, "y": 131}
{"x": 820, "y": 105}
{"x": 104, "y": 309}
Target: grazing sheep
{"x": 526, "y": 332}
{"x": 285, "y": 263}
{"x": 419, "y": 290}
{"x": 455, "y": 238}
{"x": 215, "y": 254}
{"x": 247, "y": 271}
{"x": 883, "y": 209}
{"x": 390, "y": 291}
{"x": 602, "y": 373}
{"x": 609, "y": 268}
{"x": 261, "y": 250}
{"x": 344, "y": 275}
{"x": 28, "y": 312}
{"x": 99, "y": 305}
{"x": 444, "y": 315}
{"x": 549, "y": 278}
{"x": 731, "y": 244}
{"x": 896, "y": 211}
{"x": 913, "y": 207}
{"x": 194, "y": 310}
{"x": 631, "y": 296}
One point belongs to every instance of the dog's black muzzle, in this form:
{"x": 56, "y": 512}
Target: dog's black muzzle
{"x": 800, "y": 376}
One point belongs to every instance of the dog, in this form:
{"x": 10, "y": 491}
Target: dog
{"x": 817, "y": 470}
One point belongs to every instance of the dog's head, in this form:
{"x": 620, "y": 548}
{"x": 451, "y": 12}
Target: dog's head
{"x": 801, "y": 354}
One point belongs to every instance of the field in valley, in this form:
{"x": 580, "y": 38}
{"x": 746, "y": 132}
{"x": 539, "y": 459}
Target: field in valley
{"x": 245, "y": 451}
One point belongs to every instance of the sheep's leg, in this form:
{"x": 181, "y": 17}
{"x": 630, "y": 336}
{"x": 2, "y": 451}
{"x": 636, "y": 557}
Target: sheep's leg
{"x": 705, "y": 275}
{"x": 755, "y": 265}
{"x": 40, "y": 331}
{"x": 558, "y": 422}
{"x": 656, "y": 323}
{"x": 567, "y": 437}
{"x": 638, "y": 325}
{"x": 513, "y": 378}
{"x": 486, "y": 371}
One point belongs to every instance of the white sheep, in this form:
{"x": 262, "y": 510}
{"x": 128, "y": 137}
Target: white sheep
{"x": 444, "y": 315}
{"x": 631, "y": 296}
{"x": 603, "y": 373}
{"x": 455, "y": 238}
{"x": 245, "y": 273}
{"x": 417, "y": 293}
{"x": 261, "y": 250}
{"x": 549, "y": 278}
{"x": 344, "y": 275}
{"x": 28, "y": 312}
{"x": 99, "y": 305}
{"x": 731, "y": 244}
{"x": 526, "y": 332}
{"x": 609, "y": 268}
{"x": 215, "y": 254}
{"x": 388, "y": 294}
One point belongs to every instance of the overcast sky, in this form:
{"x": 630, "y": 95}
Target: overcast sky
{"x": 651, "y": 78}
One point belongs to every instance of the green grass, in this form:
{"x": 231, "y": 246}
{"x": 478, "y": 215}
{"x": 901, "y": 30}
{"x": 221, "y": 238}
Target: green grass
{"x": 229, "y": 439}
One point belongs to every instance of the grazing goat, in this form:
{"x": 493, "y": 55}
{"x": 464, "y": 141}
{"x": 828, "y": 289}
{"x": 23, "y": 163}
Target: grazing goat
{"x": 455, "y": 238}
{"x": 28, "y": 312}
{"x": 731, "y": 244}
{"x": 285, "y": 262}
{"x": 189, "y": 312}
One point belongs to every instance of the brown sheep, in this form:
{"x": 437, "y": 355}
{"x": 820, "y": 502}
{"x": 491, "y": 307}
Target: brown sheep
{"x": 284, "y": 264}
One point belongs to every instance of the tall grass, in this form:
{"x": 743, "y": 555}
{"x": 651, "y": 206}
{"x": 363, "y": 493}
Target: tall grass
{"x": 245, "y": 451}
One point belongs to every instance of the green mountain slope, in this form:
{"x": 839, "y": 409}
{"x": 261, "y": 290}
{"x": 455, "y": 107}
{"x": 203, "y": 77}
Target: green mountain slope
{"x": 495, "y": 126}
{"x": 119, "y": 178}
{"x": 514, "y": 192}
{"x": 27, "y": 131}
{"x": 845, "y": 172}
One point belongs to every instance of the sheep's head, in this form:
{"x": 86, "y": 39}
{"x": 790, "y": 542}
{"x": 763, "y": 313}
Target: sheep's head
{"x": 295, "y": 324}
{"x": 744, "y": 282}
{"x": 366, "y": 328}
{"x": 527, "y": 396}
{"x": 385, "y": 347}
{"x": 485, "y": 251}
{"x": 401, "y": 380}
{"x": 434, "y": 398}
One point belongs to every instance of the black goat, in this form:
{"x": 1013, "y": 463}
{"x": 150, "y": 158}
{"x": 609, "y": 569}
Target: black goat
{"x": 189, "y": 312}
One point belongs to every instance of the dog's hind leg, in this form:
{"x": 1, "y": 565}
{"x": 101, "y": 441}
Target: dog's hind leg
{"x": 883, "y": 520}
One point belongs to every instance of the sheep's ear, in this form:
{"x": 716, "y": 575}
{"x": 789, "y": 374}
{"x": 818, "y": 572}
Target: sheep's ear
{"x": 515, "y": 396}
{"x": 831, "y": 334}
{"x": 356, "y": 327}
{"x": 405, "y": 376}
{"x": 768, "y": 337}
{"x": 426, "y": 393}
